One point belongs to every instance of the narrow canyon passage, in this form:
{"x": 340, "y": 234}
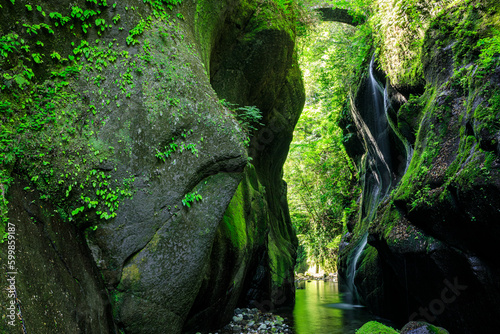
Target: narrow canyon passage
{"x": 320, "y": 161}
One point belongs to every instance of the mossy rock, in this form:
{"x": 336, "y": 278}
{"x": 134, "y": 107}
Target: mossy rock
{"x": 54, "y": 271}
{"x": 239, "y": 236}
{"x": 118, "y": 128}
{"x": 445, "y": 207}
{"x": 374, "y": 327}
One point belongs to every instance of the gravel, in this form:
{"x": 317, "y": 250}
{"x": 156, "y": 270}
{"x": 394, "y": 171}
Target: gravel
{"x": 253, "y": 321}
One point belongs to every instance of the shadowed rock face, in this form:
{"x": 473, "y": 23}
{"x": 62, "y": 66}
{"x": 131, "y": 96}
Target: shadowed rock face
{"x": 429, "y": 256}
{"x": 57, "y": 283}
{"x": 191, "y": 231}
{"x": 255, "y": 66}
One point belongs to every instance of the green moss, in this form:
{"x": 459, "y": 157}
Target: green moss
{"x": 255, "y": 16}
{"x": 130, "y": 280}
{"x": 374, "y": 327}
{"x": 243, "y": 224}
{"x": 116, "y": 298}
{"x": 488, "y": 114}
{"x": 369, "y": 263}
{"x": 206, "y": 27}
{"x": 271, "y": 15}
{"x": 280, "y": 260}
{"x": 51, "y": 130}
{"x": 153, "y": 244}
{"x": 409, "y": 115}
{"x": 469, "y": 25}
{"x": 434, "y": 127}
{"x": 276, "y": 263}
{"x": 464, "y": 110}
{"x": 131, "y": 273}
{"x": 234, "y": 220}
{"x": 390, "y": 218}
{"x": 436, "y": 330}
{"x": 370, "y": 255}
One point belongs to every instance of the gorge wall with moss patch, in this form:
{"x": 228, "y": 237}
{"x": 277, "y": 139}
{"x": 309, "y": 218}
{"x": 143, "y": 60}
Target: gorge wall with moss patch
{"x": 122, "y": 160}
{"x": 430, "y": 243}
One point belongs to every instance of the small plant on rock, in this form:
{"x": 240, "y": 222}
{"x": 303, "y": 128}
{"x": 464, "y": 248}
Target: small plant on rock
{"x": 191, "y": 198}
{"x": 249, "y": 117}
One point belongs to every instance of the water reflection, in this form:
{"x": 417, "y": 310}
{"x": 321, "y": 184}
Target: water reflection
{"x": 319, "y": 309}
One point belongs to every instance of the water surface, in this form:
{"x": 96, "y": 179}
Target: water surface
{"x": 319, "y": 309}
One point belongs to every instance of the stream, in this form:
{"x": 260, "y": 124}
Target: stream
{"x": 320, "y": 309}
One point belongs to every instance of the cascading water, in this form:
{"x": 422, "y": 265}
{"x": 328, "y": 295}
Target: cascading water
{"x": 374, "y": 124}
{"x": 351, "y": 297}
{"x": 406, "y": 143}
{"x": 379, "y": 174}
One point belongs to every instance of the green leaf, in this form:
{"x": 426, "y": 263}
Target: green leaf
{"x": 21, "y": 81}
{"x": 77, "y": 210}
{"x": 37, "y": 58}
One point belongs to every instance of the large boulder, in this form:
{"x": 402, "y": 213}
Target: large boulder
{"x": 120, "y": 132}
{"x": 55, "y": 286}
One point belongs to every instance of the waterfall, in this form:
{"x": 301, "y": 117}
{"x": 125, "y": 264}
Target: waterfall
{"x": 374, "y": 125}
{"x": 352, "y": 295}
{"x": 406, "y": 143}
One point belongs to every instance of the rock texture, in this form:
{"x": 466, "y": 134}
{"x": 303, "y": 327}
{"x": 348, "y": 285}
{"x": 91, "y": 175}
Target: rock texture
{"x": 134, "y": 147}
{"x": 253, "y": 64}
{"x": 58, "y": 286}
{"x": 430, "y": 244}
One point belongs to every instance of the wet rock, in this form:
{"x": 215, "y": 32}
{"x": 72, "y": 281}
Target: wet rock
{"x": 162, "y": 260}
{"x": 429, "y": 243}
{"x": 420, "y": 327}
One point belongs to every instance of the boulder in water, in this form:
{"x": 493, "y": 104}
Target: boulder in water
{"x": 420, "y": 327}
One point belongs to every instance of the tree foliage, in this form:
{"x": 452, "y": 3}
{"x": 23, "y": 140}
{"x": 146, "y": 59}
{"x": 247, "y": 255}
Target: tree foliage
{"x": 322, "y": 180}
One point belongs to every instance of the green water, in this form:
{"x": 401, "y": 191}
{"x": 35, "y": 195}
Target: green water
{"x": 319, "y": 309}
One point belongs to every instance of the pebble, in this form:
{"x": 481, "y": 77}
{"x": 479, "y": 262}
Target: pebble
{"x": 253, "y": 321}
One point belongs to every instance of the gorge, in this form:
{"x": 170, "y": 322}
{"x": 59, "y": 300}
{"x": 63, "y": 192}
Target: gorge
{"x": 142, "y": 147}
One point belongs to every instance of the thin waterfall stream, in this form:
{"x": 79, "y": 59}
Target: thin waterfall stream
{"x": 373, "y": 122}
{"x": 351, "y": 296}
{"x": 327, "y": 307}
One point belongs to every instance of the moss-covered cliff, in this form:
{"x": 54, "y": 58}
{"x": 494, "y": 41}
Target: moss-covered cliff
{"x": 123, "y": 165}
{"x": 430, "y": 245}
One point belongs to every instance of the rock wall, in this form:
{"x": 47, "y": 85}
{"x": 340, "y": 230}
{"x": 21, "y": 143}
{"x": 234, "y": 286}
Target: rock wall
{"x": 121, "y": 132}
{"x": 253, "y": 64}
{"x": 430, "y": 244}
{"x": 58, "y": 287}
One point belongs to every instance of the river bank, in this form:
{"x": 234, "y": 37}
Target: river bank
{"x": 253, "y": 321}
